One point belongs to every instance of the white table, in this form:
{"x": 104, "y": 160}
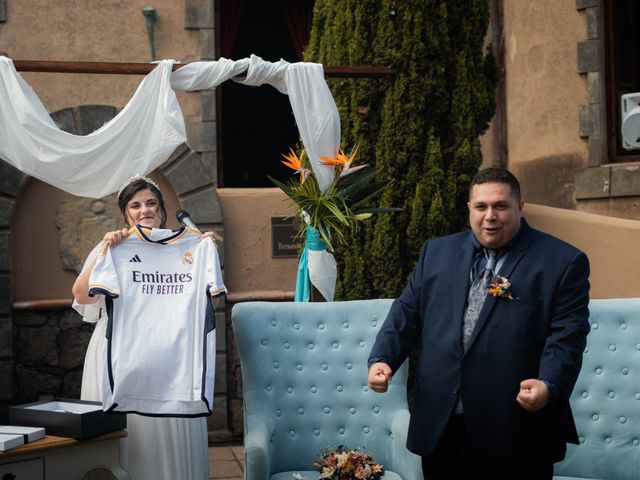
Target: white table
{"x": 61, "y": 458}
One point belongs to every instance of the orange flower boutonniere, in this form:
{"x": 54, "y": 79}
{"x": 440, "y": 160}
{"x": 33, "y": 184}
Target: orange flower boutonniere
{"x": 500, "y": 287}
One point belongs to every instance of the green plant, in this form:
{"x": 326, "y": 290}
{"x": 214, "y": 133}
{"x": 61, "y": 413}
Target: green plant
{"x": 336, "y": 211}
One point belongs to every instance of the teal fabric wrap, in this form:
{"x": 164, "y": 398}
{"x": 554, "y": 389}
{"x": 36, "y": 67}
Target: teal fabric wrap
{"x": 303, "y": 284}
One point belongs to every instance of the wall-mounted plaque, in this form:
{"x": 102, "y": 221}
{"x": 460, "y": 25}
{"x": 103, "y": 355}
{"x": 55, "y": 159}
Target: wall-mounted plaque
{"x": 284, "y": 243}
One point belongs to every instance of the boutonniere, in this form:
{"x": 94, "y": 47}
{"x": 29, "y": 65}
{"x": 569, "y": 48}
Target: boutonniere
{"x": 500, "y": 287}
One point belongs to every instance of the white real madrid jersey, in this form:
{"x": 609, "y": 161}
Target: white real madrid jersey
{"x": 160, "y": 341}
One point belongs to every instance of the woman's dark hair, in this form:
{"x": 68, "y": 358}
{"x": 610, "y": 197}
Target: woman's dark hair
{"x": 134, "y": 187}
{"x": 497, "y": 175}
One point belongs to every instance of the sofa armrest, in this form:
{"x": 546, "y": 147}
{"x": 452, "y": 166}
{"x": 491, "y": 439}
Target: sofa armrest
{"x": 406, "y": 464}
{"x": 258, "y": 430}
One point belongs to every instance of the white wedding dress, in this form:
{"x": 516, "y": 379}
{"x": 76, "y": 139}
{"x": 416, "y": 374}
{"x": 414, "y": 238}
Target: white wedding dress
{"x": 156, "y": 448}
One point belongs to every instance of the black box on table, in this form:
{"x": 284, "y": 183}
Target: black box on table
{"x": 68, "y": 418}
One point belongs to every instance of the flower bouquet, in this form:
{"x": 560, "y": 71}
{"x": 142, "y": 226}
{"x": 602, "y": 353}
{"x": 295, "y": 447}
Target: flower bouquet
{"x": 344, "y": 203}
{"x": 341, "y": 463}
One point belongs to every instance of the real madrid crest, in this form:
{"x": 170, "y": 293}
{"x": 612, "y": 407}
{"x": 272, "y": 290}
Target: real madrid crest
{"x": 187, "y": 259}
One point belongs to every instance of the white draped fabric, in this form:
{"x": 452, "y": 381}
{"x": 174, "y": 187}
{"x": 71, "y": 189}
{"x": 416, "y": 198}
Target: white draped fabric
{"x": 147, "y": 130}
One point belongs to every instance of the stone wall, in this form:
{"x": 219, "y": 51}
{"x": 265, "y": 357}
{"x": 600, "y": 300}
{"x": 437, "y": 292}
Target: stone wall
{"x": 49, "y": 354}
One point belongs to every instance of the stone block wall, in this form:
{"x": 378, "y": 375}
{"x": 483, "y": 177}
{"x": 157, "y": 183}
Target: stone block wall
{"x": 49, "y": 354}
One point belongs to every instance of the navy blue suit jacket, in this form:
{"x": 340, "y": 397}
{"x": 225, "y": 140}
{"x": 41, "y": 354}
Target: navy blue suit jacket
{"x": 540, "y": 333}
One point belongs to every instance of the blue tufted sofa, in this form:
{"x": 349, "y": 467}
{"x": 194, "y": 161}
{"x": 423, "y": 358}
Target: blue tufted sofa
{"x": 304, "y": 376}
{"x": 606, "y": 398}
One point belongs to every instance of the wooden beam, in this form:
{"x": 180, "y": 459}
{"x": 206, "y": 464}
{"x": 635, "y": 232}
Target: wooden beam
{"x": 115, "y": 68}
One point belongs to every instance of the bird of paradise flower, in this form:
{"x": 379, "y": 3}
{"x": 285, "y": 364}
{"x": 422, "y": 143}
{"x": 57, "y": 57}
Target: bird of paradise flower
{"x": 345, "y": 160}
{"x": 295, "y": 163}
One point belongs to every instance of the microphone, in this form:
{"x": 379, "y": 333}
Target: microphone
{"x": 185, "y": 219}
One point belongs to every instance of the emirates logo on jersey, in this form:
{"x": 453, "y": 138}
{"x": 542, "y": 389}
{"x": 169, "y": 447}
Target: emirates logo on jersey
{"x": 187, "y": 259}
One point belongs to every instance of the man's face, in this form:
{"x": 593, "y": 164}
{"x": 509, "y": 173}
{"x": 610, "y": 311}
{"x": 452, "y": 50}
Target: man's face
{"x": 494, "y": 214}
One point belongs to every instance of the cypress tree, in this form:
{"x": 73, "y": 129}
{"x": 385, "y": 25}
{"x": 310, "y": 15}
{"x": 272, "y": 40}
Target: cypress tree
{"x": 420, "y": 127}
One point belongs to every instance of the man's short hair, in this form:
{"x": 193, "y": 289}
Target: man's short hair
{"x": 497, "y": 175}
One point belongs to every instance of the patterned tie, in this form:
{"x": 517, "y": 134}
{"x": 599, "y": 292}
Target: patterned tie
{"x": 477, "y": 296}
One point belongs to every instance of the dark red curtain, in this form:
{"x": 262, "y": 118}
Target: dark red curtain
{"x": 231, "y": 12}
{"x": 297, "y": 16}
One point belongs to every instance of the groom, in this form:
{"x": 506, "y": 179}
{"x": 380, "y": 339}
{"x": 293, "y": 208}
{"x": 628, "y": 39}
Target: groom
{"x": 500, "y": 317}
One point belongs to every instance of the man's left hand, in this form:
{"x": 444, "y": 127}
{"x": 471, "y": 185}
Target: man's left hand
{"x": 533, "y": 395}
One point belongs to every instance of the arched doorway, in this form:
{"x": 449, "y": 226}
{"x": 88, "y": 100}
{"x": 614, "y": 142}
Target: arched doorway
{"x": 256, "y": 125}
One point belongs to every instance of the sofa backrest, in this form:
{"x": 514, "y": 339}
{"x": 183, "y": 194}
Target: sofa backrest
{"x": 606, "y": 398}
{"x": 304, "y": 368}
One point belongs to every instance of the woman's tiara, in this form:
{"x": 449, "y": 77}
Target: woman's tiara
{"x": 135, "y": 178}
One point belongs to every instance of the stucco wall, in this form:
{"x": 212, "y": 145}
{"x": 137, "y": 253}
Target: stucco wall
{"x": 247, "y": 229}
{"x": 99, "y": 31}
{"x": 544, "y": 92}
{"x": 610, "y": 243}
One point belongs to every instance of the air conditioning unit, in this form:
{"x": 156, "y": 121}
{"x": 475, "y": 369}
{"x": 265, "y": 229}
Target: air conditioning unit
{"x": 630, "y": 114}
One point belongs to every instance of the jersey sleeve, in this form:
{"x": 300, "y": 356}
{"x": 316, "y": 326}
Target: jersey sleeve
{"x": 104, "y": 278}
{"x": 213, "y": 272}
{"x": 91, "y": 312}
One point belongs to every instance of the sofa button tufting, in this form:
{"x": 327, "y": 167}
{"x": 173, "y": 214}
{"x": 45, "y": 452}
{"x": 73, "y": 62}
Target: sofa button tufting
{"x": 321, "y": 326}
{"x": 311, "y": 346}
{"x": 316, "y": 432}
{"x": 352, "y": 410}
{"x": 636, "y": 442}
{"x": 622, "y": 419}
{"x": 637, "y": 346}
{"x": 339, "y": 388}
{"x": 349, "y": 365}
{"x": 586, "y": 349}
{"x": 365, "y": 388}
{"x": 292, "y": 433}
{"x": 625, "y": 371}
{"x": 273, "y": 323}
{"x": 584, "y": 394}
{"x": 289, "y": 389}
{"x": 326, "y": 410}
{"x": 299, "y": 367}
{"x": 345, "y": 325}
{"x": 324, "y": 366}
{"x": 296, "y": 326}
{"x": 612, "y": 348}
{"x": 376, "y": 409}
{"x": 278, "y": 413}
{"x": 595, "y": 417}
{"x": 594, "y": 326}
{"x": 313, "y": 389}
{"x": 276, "y": 364}
{"x": 287, "y": 345}
{"x": 607, "y": 440}
{"x": 301, "y": 411}
{"x": 374, "y": 323}
{"x": 598, "y": 371}
{"x": 365, "y": 429}
{"x": 637, "y": 396}
{"x": 335, "y": 345}
{"x": 612, "y": 395}
{"x": 623, "y": 326}
{"x": 341, "y": 430}
{"x": 581, "y": 439}
{"x": 361, "y": 344}
{"x": 264, "y": 341}
{"x": 268, "y": 388}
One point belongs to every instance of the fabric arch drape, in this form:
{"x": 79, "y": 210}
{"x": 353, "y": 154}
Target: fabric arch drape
{"x": 147, "y": 130}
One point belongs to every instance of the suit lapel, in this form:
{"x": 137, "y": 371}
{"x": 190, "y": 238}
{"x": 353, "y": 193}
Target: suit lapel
{"x": 460, "y": 286}
{"x": 514, "y": 256}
